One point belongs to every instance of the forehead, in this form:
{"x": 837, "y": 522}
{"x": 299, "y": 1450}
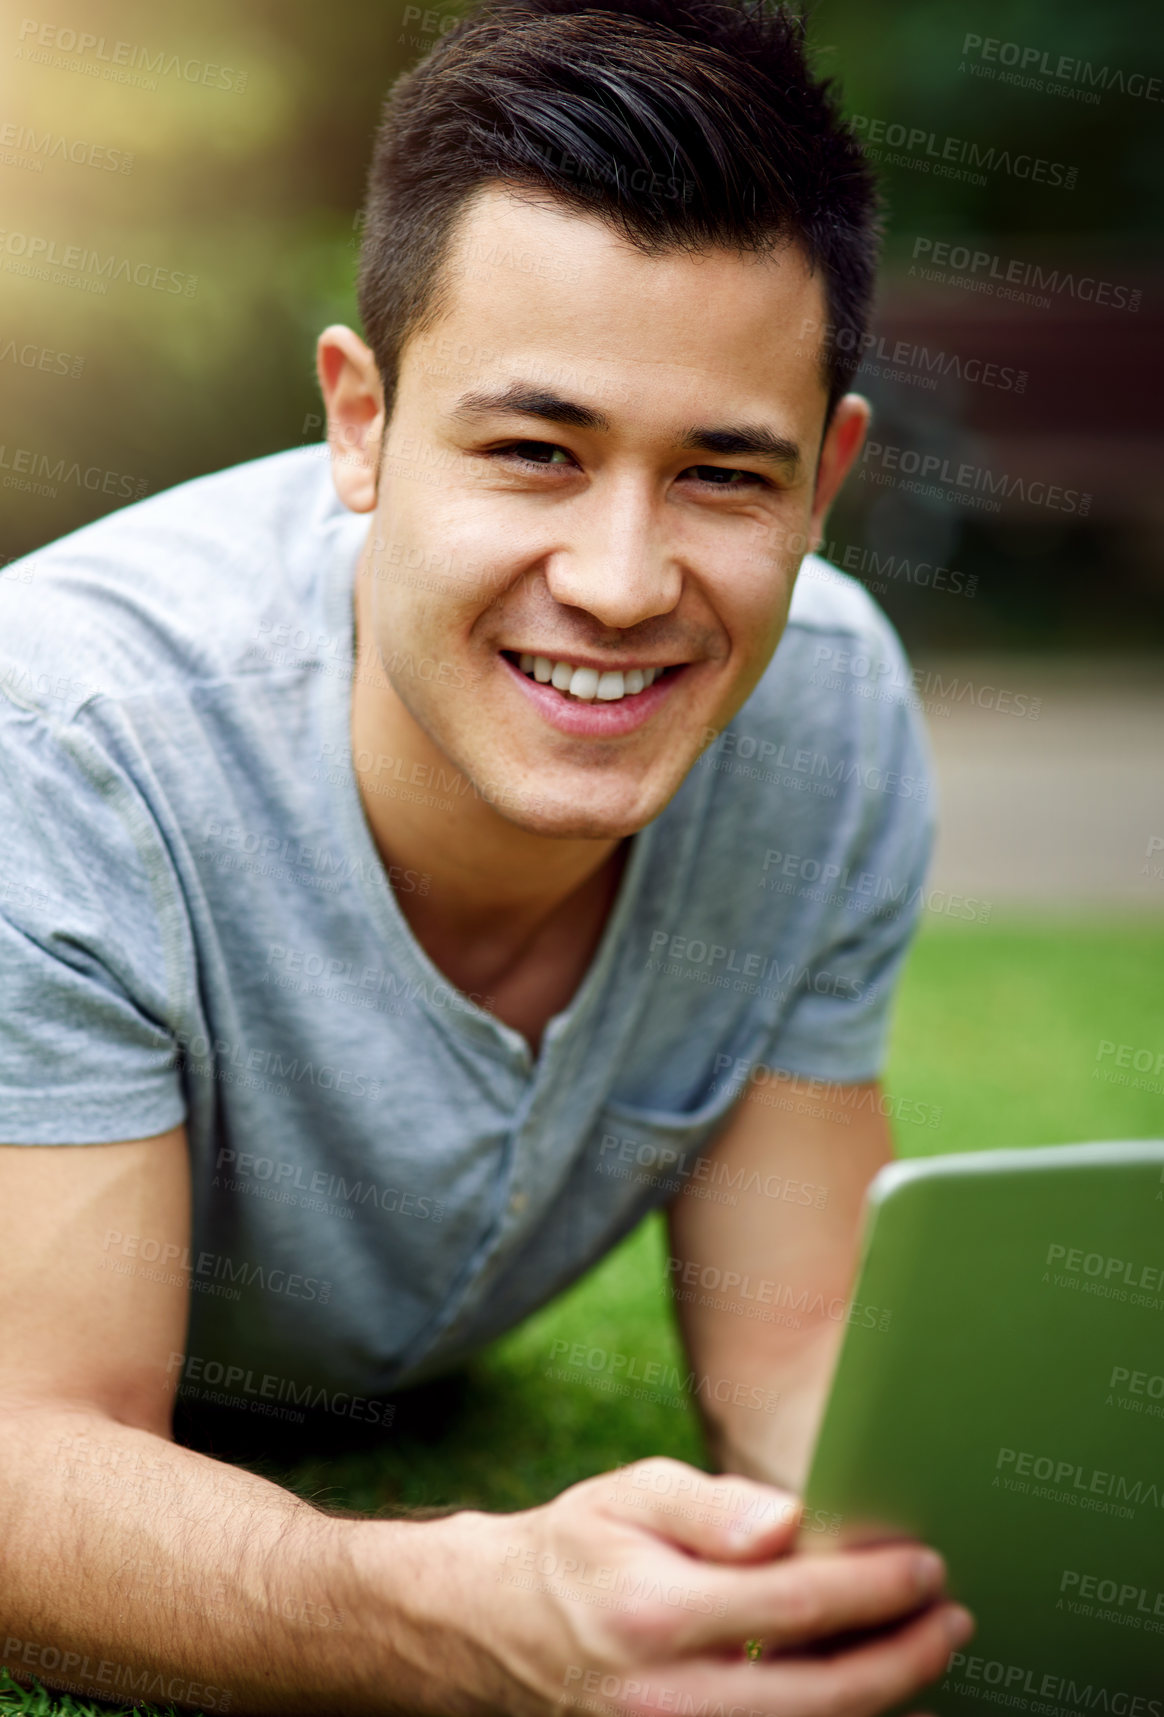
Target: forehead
{"x": 529, "y": 283}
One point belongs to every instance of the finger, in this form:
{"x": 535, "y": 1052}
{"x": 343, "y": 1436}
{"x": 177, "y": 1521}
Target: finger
{"x": 800, "y": 1599}
{"x": 858, "y": 1683}
{"x": 868, "y": 1679}
{"x": 724, "y": 1517}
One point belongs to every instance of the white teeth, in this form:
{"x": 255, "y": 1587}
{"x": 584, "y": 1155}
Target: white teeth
{"x": 588, "y": 684}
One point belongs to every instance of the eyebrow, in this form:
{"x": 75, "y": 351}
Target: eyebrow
{"x": 753, "y": 441}
{"x": 531, "y": 402}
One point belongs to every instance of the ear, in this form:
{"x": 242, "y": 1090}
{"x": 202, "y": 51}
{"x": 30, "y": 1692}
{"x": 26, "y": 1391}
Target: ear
{"x": 842, "y": 444}
{"x": 354, "y": 401}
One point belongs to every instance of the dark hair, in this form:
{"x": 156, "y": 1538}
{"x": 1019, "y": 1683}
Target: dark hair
{"x": 684, "y": 124}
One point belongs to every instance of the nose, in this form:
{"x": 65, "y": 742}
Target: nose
{"x": 616, "y": 562}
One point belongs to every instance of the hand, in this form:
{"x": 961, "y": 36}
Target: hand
{"x": 634, "y": 1592}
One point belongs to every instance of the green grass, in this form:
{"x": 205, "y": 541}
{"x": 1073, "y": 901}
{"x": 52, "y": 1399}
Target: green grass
{"x": 37, "y": 1702}
{"x": 998, "y": 1025}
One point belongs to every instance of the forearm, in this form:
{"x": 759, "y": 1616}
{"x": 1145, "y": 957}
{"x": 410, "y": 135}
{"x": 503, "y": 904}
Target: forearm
{"x": 762, "y": 1283}
{"x": 133, "y": 1567}
{"x": 774, "y": 1447}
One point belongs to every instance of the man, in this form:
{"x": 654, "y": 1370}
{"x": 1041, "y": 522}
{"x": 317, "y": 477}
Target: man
{"x": 414, "y": 874}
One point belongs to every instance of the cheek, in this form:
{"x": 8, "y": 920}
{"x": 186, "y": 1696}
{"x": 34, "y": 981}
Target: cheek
{"x": 753, "y": 600}
{"x": 760, "y": 630}
{"x": 429, "y": 563}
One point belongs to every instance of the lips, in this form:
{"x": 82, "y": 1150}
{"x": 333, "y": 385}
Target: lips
{"x": 594, "y": 717}
{"x": 583, "y": 683}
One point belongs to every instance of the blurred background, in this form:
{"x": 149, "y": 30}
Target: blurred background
{"x": 181, "y": 216}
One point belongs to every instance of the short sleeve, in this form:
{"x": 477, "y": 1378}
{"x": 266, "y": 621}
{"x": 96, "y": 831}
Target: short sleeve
{"x": 837, "y": 1027}
{"x": 88, "y": 952}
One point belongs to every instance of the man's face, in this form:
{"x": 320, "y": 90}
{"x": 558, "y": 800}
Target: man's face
{"x": 607, "y": 461}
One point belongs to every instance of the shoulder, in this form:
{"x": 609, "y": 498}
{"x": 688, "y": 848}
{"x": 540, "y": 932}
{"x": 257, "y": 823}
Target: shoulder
{"x": 839, "y": 667}
{"x": 831, "y": 740}
{"x": 178, "y": 587}
{"x": 829, "y": 603}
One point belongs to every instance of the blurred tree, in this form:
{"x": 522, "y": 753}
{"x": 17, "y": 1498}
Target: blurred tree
{"x": 227, "y": 230}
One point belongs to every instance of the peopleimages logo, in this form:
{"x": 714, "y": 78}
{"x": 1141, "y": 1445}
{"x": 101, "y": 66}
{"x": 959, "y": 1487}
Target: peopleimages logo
{"x": 869, "y": 676}
{"x": 33, "y": 357}
{"x": 194, "y": 1368}
{"x": 1116, "y": 1593}
{"x": 73, "y": 1672}
{"x": 216, "y": 1265}
{"x": 1028, "y": 65}
{"x": 1075, "y": 1695}
{"x": 229, "y": 1061}
{"x": 33, "y": 148}
{"x": 954, "y": 477}
{"x": 987, "y": 269}
{"x": 1097, "y": 1264}
{"x": 964, "y": 151}
{"x": 876, "y": 350}
{"x": 35, "y": 255}
{"x": 755, "y": 965}
{"x": 1070, "y": 1476}
{"x": 118, "y": 60}
{"x": 823, "y": 772}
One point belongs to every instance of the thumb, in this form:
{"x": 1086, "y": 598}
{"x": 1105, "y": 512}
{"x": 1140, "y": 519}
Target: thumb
{"x": 725, "y": 1518}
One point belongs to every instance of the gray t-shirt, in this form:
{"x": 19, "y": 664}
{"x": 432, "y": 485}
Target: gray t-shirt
{"x": 195, "y": 925}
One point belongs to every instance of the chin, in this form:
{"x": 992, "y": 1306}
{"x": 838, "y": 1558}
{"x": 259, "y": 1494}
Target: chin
{"x": 568, "y": 820}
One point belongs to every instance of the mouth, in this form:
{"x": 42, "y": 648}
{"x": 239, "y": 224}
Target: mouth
{"x": 578, "y": 682}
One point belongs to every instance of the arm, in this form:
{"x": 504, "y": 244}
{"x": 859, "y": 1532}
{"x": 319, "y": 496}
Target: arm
{"x": 778, "y": 1325}
{"x": 130, "y": 1566}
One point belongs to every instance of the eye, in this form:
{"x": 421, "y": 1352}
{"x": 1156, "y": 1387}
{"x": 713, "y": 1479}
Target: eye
{"x": 533, "y": 453}
{"x": 724, "y": 477}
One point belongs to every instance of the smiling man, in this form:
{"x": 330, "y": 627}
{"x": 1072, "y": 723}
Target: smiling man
{"x": 420, "y": 861}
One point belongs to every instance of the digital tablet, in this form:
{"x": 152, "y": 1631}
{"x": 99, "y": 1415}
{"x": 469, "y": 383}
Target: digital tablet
{"x": 1006, "y": 1405}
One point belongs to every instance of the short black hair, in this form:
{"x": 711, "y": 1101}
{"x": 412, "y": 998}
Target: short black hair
{"x": 684, "y": 124}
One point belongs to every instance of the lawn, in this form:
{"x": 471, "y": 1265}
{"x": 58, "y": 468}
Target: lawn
{"x": 1001, "y": 1026}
